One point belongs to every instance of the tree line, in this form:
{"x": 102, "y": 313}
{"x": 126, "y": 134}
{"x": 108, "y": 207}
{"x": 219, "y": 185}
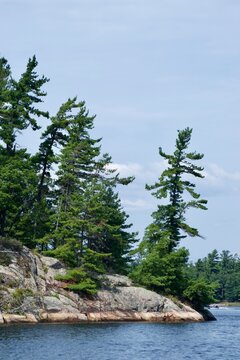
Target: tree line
{"x": 63, "y": 200}
{"x": 221, "y": 269}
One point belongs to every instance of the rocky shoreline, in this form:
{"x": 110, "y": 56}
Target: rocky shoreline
{"x": 29, "y": 293}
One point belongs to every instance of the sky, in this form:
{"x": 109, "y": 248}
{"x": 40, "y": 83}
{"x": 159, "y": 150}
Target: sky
{"x": 146, "y": 68}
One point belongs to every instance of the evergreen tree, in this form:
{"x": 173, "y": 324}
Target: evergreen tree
{"x": 172, "y": 184}
{"x": 17, "y": 101}
{"x": 223, "y": 270}
{"x": 162, "y": 271}
{"x": 53, "y": 139}
{"x": 87, "y": 213}
{"x": 162, "y": 266}
{"x": 105, "y": 224}
{"x": 18, "y": 111}
{"x": 18, "y": 183}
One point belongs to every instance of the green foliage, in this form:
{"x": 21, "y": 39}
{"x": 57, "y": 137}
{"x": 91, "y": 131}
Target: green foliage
{"x": 5, "y": 259}
{"x": 162, "y": 263}
{"x": 163, "y": 271}
{"x": 64, "y": 253}
{"x": 223, "y": 269}
{"x": 61, "y": 200}
{"x": 173, "y": 183}
{"x": 18, "y": 178}
{"x": 21, "y": 293}
{"x": 78, "y": 280}
{"x": 87, "y": 286}
{"x": 200, "y": 293}
{"x": 10, "y": 244}
{"x": 84, "y": 279}
{"x": 87, "y": 213}
{"x": 17, "y": 104}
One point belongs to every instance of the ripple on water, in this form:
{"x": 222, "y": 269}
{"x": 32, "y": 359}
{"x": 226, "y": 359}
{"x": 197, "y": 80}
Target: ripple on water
{"x": 114, "y": 341}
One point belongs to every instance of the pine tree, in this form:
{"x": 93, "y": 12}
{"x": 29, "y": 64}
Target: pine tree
{"x": 17, "y": 101}
{"x": 18, "y": 111}
{"x": 77, "y": 164}
{"x": 63, "y": 199}
{"x": 104, "y": 227}
{"x": 162, "y": 265}
{"x": 18, "y": 183}
{"x": 87, "y": 214}
{"x": 173, "y": 183}
{"x": 53, "y": 139}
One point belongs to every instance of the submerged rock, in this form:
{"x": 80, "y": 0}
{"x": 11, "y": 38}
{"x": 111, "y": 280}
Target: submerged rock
{"x": 30, "y": 293}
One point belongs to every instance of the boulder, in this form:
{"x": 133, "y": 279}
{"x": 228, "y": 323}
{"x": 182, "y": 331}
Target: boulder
{"x": 53, "y": 304}
{"x": 132, "y": 298}
{"x": 10, "y": 277}
{"x": 14, "y": 318}
{"x": 52, "y": 267}
{"x": 117, "y": 315}
{"x": 32, "y": 304}
{"x": 63, "y": 317}
{"x": 113, "y": 281}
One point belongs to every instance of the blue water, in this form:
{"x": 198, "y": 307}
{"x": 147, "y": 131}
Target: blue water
{"x": 217, "y": 340}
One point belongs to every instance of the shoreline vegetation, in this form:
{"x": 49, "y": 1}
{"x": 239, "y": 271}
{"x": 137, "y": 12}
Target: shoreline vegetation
{"x": 62, "y": 203}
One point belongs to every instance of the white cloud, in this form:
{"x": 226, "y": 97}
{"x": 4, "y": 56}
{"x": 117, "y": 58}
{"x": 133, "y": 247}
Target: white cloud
{"x": 137, "y": 205}
{"x": 143, "y": 173}
{"x": 219, "y": 173}
{"x": 128, "y": 169}
{"x": 219, "y": 180}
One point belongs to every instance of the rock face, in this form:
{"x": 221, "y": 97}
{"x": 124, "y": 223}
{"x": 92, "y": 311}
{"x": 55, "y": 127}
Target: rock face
{"x": 30, "y": 293}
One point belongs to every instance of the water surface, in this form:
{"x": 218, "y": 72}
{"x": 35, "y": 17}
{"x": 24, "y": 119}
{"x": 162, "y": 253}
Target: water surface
{"x": 114, "y": 341}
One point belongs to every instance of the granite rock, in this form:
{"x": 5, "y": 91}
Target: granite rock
{"x": 30, "y": 293}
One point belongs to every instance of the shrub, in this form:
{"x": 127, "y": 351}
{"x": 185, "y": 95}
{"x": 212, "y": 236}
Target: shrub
{"x": 79, "y": 281}
{"x": 5, "y": 259}
{"x": 11, "y": 244}
{"x": 87, "y": 286}
{"x": 18, "y": 296}
{"x": 21, "y": 293}
{"x": 200, "y": 293}
{"x": 63, "y": 253}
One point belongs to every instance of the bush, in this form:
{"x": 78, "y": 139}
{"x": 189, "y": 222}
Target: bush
{"x": 5, "y": 259}
{"x": 11, "y": 244}
{"x": 79, "y": 281}
{"x": 21, "y": 293}
{"x": 200, "y": 293}
{"x": 63, "y": 253}
{"x": 87, "y": 286}
{"x": 18, "y": 296}
{"x": 84, "y": 279}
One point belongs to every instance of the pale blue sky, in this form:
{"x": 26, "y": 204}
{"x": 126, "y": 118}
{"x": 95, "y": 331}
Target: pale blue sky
{"x": 146, "y": 68}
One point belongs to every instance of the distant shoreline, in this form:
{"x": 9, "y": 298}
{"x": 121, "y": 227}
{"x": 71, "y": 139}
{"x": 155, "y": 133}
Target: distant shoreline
{"x": 225, "y": 304}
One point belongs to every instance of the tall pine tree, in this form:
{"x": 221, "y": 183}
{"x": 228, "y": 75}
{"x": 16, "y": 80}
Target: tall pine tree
{"x": 18, "y": 111}
{"x": 162, "y": 263}
{"x": 87, "y": 213}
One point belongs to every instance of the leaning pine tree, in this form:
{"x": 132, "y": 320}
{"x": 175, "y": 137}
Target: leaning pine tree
{"x": 162, "y": 263}
{"x": 88, "y": 225}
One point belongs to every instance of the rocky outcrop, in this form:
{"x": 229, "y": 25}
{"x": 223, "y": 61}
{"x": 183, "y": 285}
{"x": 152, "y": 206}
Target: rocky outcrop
{"x": 30, "y": 293}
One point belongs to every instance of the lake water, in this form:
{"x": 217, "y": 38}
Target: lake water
{"x": 216, "y": 340}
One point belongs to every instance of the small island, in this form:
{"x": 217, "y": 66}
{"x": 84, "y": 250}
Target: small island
{"x": 30, "y": 293}
{"x": 67, "y": 252}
